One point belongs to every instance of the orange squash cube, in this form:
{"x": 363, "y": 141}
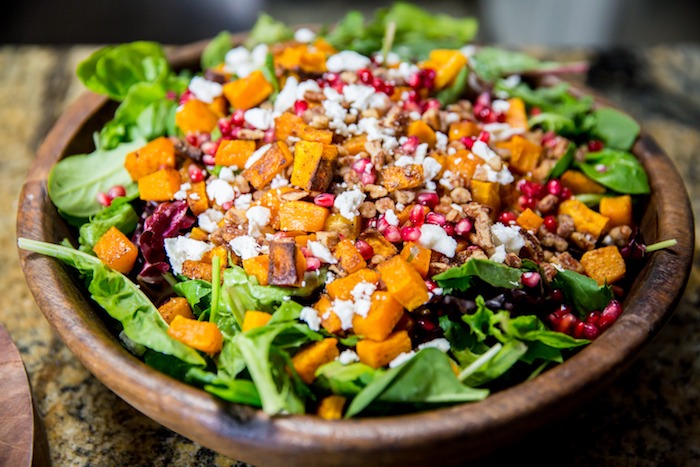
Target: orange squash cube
{"x": 311, "y": 357}
{"x": 246, "y": 93}
{"x": 302, "y": 216}
{"x": 331, "y": 407}
{"x": 341, "y": 289}
{"x": 313, "y": 165}
{"x": 116, "y": 250}
{"x": 348, "y": 256}
{"x": 516, "y": 115}
{"x": 459, "y": 130}
{"x": 195, "y": 116}
{"x": 317, "y": 135}
{"x": 160, "y": 185}
{"x": 579, "y": 184}
{"x": 585, "y": 219}
{"x": 234, "y": 152}
{"x": 176, "y": 306}
{"x": 379, "y": 354}
{"x": 384, "y": 313}
{"x": 263, "y": 170}
{"x": 345, "y": 227}
{"x": 418, "y": 257}
{"x": 286, "y": 125}
{"x": 403, "y": 282}
{"x": 329, "y": 320}
{"x": 487, "y": 193}
{"x": 255, "y": 319}
{"x": 618, "y": 209}
{"x": 200, "y": 335}
{"x": 258, "y": 267}
{"x": 605, "y": 265}
{"x": 447, "y": 63}
{"x": 402, "y": 178}
{"x": 529, "y": 220}
{"x": 379, "y": 244}
{"x": 463, "y": 163}
{"x": 200, "y": 202}
{"x": 157, "y": 154}
{"x": 355, "y": 144}
{"x": 524, "y": 154}
{"x": 287, "y": 264}
{"x": 422, "y": 131}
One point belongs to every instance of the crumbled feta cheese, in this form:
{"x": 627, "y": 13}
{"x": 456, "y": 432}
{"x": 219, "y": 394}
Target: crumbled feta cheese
{"x": 226, "y": 173}
{"x": 259, "y": 118}
{"x": 508, "y": 236}
{"x": 330, "y": 277}
{"x": 440, "y": 343}
{"x": 258, "y": 217}
{"x": 502, "y": 131}
{"x": 194, "y": 196}
{"x": 220, "y": 191}
{"x": 279, "y": 181}
{"x": 310, "y": 317}
{"x": 483, "y": 150}
{"x": 181, "y": 249}
{"x": 259, "y": 54}
{"x": 452, "y": 117}
{"x": 500, "y": 106}
{"x": 348, "y": 203}
{"x": 320, "y": 251}
{"x": 242, "y": 62}
{"x": 304, "y": 35}
{"x": 257, "y": 155}
{"x": 287, "y": 95}
{"x": 357, "y": 95}
{"x": 390, "y": 217}
{"x": 205, "y": 90}
{"x": 403, "y": 161}
{"x": 182, "y": 192}
{"x": 451, "y": 151}
{"x": 362, "y": 296}
{"x": 441, "y": 141}
{"x": 347, "y": 357}
{"x": 468, "y": 51}
{"x": 446, "y": 180}
{"x": 243, "y": 201}
{"x": 344, "y": 310}
{"x": 402, "y": 72}
{"x": 245, "y": 246}
{"x": 503, "y": 176}
{"x": 435, "y": 238}
{"x": 347, "y": 60}
{"x": 499, "y": 254}
{"x": 308, "y": 85}
{"x": 431, "y": 167}
{"x": 400, "y": 206}
{"x": 209, "y": 219}
{"x": 401, "y": 358}
{"x": 391, "y": 58}
{"x": 457, "y": 207}
{"x": 414, "y": 115}
{"x": 421, "y": 152}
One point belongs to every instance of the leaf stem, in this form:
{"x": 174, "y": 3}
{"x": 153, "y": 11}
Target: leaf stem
{"x": 476, "y": 364}
{"x": 215, "y": 287}
{"x": 660, "y": 245}
{"x": 388, "y": 41}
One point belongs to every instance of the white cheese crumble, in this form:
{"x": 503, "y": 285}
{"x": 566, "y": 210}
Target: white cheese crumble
{"x": 347, "y": 60}
{"x": 483, "y": 150}
{"x": 256, "y": 155}
{"x": 320, "y": 251}
{"x": 500, "y": 106}
{"x": 209, "y": 220}
{"x": 220, "y": 191}
{"x": 499, "y": 254}
{"x": 258, "y": 217}
{"x": 508, "y": 236}
{"x": 182, "y": 192}
{"x": 358, "y": 95}
{"x": 439, "y": 343}
{"x": 259, "y": 118}
{"x": 435, "y": 238}
{"x": 304, "y": 35}
{"x": 242, "y": 62}
{"x": 431, "y": 168}
{"x": 502, "y": 131}
{"x": 403, "y": 161}
{"x": 243, "y": 201}
{"x": 390, "y": 217}
{"x": 344, "y": 310}
{"x": 181, "y": 249}
{"x": 401, "y": 358}
{"x": 362, "y": 296}
{"x": 226, "y": 173}
{"x": 310, "y": 317}
{"x": 279, "y": 181}
{"x": 205, "y": 90}
{"x": 347, "y": 357}
{"x": 503, "y": 176}
{"x": 348, "y": 203}
{"x": 287, "y": 95}
{"x": 441, "y": 141}
{"x": 245, "y": 246}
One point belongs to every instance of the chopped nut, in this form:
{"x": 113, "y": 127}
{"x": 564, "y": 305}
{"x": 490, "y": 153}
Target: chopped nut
{"x": 513, "y": 260}
{"x": 368, "y": 209}
{"x": 565, "y": 225}
{"x": 582, "y": 240}
{"x": 621, "y": 235}
{"x": 384, "y": 204}
{"x": 548, "y": 204}
{"x": 404, "y": 196}
{"x": 376, "y": 191}
{"x": 246, "y": 133}
{"x": 453, "y": 216}
{"x": 460, "y": 195}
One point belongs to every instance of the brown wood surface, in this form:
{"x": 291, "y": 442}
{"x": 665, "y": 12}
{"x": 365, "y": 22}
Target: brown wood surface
{"x": 450, "y": 435}
{"x": 22, "y": 438}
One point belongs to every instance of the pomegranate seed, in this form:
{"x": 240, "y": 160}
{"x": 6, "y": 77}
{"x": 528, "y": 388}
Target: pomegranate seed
{"x": 551, "y": 224}
{"x": 238, "y": 117}
{"x": 485, "y": 114}
{"x": 382, "y": 224}
{"x": 116, "y": 191}
{"x": 428, "y": 198}
{"x": 412, "y": 96}
{"x": 362, "y": 166}
{"x": 332, "y": 78}
{"x": 426, "y": 324}
{"x": 269, "y": 136}
{"x": 595, "y": 145}
{"x": 501, "y": 118}
{"x": 208, "y": 159}
{"x": 484, "y": 136}
{"x": 578, "y": 329}
{"x": 377, "y": 84}
{"x": 192, "y": 140}
{"x": 104, "y": 199}
{"x": 431, "y": 285}
{"x": 563, "y": 309}
{"x": 530, "y": 279}
{"x": 483, "y": 100}
{"x": 417, "y": 215}
{"x": 531, "y": 189}
{"x": 300, "y": 107}
{"x": 388, "y": 89}
{"x": 568, "y": 321}
{"x": 535, "y": 111}
{"x": 507, "y": 217}
{"x": 186, "y": 96}
{"x": 554, "y": 187}
{"x": 410, "y": 145}
{"x": 207, "y": 147}
{"x": 392, "y": 234}
{"x": 554, "y": 320}
{"x": 414, "y": 80}
{"x": 613, "y": 309}
{"x": 463, "y": 227}
{"x": 557, "y": 295}
{"x": 306, "y": 252}
{"x": 325, "y": 200}
{"x": 593, "y": 317}
{"x": 429, "y": 73}
{"x": 590, "y": 332}
{"x": 526, "y": 202}
{"x": 368, "y": 178}
{"x": 195, "y": 173}
{"x": 449, "y": 229}
{"x": 432, "y": 104}
{"x": 365, "y": 249}
{"x": 410, "y": 234}
{"x": 565, "y": 193}
{"x": 436, "y": 219}
{"x": 312, "y": 264}
{"x": 468, "y": 141}
{"x": 171, "y": 95}
{"x": 548, "y": 138}
{"x": 365, "y": 76}
{"x": 225, "y": 126}
{"x": 227, "y": 205}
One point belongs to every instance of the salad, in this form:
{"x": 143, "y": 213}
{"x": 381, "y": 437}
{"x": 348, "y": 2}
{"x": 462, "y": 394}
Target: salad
{"x": 377, "y": 218}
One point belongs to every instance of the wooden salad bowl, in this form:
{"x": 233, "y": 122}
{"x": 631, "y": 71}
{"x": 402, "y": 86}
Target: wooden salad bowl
{"x": 449, "y": 435}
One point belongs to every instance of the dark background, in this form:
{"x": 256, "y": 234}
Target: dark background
{"x": 597, "y": 23}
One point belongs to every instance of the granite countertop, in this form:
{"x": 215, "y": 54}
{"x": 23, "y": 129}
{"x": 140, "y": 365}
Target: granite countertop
{"x": 649, "y": 416}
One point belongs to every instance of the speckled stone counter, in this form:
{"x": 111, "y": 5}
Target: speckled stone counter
{"x": 649, "y": 416}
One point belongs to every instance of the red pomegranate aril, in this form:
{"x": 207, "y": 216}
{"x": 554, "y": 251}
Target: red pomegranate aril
{"x": 595, "y": 145}
{"x": 531, "y": 189}
{"x": 468, "y": 142}
{"x": 554, "y": 320}
{"x": 208, "y": 159}
{"x": 410, "y": 234}
{"x": 590, "y": 332}
{"x": 426, "y": 324}
{"x": 506, "y": 217}
{"x": 429, "y": 73}
{"x": 171, "y": 95}
{"x": 449, "y": 229}
{"x": 548, "y": 138}
{"x": 392, "y": 234}
{"x": 325, "y": 200}
{"x": 306, "y": 252}
{"x": 227, "y": 205}
{"x": 565, "y": 193}
{"x": 238, "y": 117}
{"x": 428, "y": 198}
{"x": 554, "y": 187}
{"x": 331, "y": 78}
{"x": 436, "y": 219}
{"x": 501, "y": 118}
{"x": 463, "y": 227}
{"x": 116, "y": 191}
{"x": 388, "y": 89}
{"x": 485, "y": 114}
{"x": 551, "y": 223}
{"x": 578, "y": 329}
{"x": 535, "y": 111}
{"x": 187, "y": 95}
{"x": 365, "y": 249}
{"x": 192, "y": 139}
{"x": 431, "y": 285}
{"x": 368, "y": 178}
{"x": 563, "y": 309}
{"x": 613, "y": 309}
{"x": 483, "y": 100}
{"x": 568, "y": 321}
{"x": 593, "y": 317}
{"x": 300, "y": 107}
{"x": 410, "y": 145}
{"x": 361, "y": 166}
{"x": 557, "y": 295}
{"x": 104, "y": 199}
{"x": 377, "y": 84}
{"x": 415, "y": 80}
{"x": 417, "y": 215}
{"x": 365, "y": 76}
{"x": 484, "y": 136}
{"x": 526, "y": 202}
{"x": 412, "y": 96}
{"x": 225, "y": 126}
{"x": 530, "y": 279}
{"x": 195, "y": 173}
{"x": 382, "y": 224}
{"x": 432, "y": 104}
{"x": 312, "y": 263}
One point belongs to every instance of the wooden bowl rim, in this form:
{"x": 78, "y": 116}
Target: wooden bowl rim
{"x": 462, "y": 431}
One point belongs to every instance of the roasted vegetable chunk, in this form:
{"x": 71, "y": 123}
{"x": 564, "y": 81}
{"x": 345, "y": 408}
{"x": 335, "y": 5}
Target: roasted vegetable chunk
{"x": 263, "y": 170}
{"x": 195, "y": 116}
{"x": 200, "y": 335}
{"x": 314, "y": 164}
{"x": 585, "y": 219}
{"x": 403, "y": 282}
{"x": 287, "y": 264}
{"x": 153, "y": 156}
{"x": 248, "y": 92}
{"x": 176, "y": 306}
{"x": 384, "y": 313}
{"x": 605, "y": 265}
{"x": 348, "y": 256}
{"x": 302, "y": 216}
{"x": 234, "y": 152}
{"x": 379, "y": 354}
{"x": 258, "y": 267}
{"x": 311, "y": 357}
{"x": 159, "y": 186}
{"x": 255, "y": 319}
{"x": 402, "y": 178}
{"x": 116, "y": 251}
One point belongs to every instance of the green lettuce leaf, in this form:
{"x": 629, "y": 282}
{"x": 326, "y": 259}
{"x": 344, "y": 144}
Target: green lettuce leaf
{"x": 215, "y": 51}
{"x": 119, "y": 214}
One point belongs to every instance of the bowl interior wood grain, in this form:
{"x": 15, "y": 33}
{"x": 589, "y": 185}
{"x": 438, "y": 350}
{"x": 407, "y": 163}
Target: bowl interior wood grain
{"x": 449, "y": 435}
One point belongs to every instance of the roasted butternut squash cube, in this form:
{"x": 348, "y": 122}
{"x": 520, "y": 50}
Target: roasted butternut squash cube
{"x": 309, "y": 133}
{"x": 529, "y": 220}
{"x": 246, "y": 93}
{"x": 383, "y": 315}
{"x": 379, "y": 354}
{"x": 402, "y": 178}
{"x": 605, "y": 265}
{"x": 516, "y": 116}
{"x": 287, "y": 264}
{"x": 219, "y": 251}
{"x": 618, "y": 209}
{"x": 463, "y": 163}
{"x": 255, "y": 319}
{"x": 195, "y": 116}
{"x": 355, "y": 144}
{"x": 286, "y": 125}
{"x": 153, "y": 156}
{"x": 234, "y": 152}
{"x": 219, "y": 106}
{"x": 585, "y": 219}
{"x": 524, "y": 154}
{"x": 311, "y": 357}
{"x": 198, "y": 234}
{"x": 579, "y": 184}
{"x": 289, "y": 58}
{"x": 379, "y": 243}
{"x": 463, "y": 129}
{"x": 447, "y": 63}
{"x": 197, "y": 270}
{"x": 160, "y": 185}
{"x": 345, "y": 227}
{"x": 329, "y": 320}
{"x": 403, "y": 282}
{"x": 200, "y": 335}
{"x": 272, "y": 162}
{"x": 349, "y": 257}
{"x": 303, "y": 240}
{"x": 116, "y": 250}
{"x": 272, "y": 201}
{"x": 176, "y": 306}
{"x": 487, "y": 193}
{"x": 422, "y": 131}
{"x": 313, "y": 61}
{"x": 418, "y": 257}
{"x": 302, "y": 216}
{"x": 197, "y": 198}
{"x": 313, "y": 165}
{"x": 258, "y": 267}
{"x": 331, "y": 407}
{"x": 341, "y": 288}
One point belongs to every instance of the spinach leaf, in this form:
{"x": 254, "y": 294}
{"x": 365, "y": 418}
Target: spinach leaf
{"x": 454, "y": 91}
{"x": 563, "y": 163}
{"x": 215, "y": 51}
{"x": 268, "y": 70}
{"x": 427, "y": 378}
{"x": 119, "y": 214}
{"x": 267, "y": 30}
{"x": 121, "y": 299}
{"x": 491, "y": 63}
{"x": 238, "y": 391}
{"x": 495, "y": 274}
{"x": 616, "y": 129}
{"x": 550, "y": 121}
{"x": 197, "y": 292}
{"x": 621, "y": 171}
{"x": 592, "y": 200}
{"x": 497, "y": 365}
{"x": 345, "y": 380}
{"x": 75, "y": 181}
{"x": 583, "y": 292}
